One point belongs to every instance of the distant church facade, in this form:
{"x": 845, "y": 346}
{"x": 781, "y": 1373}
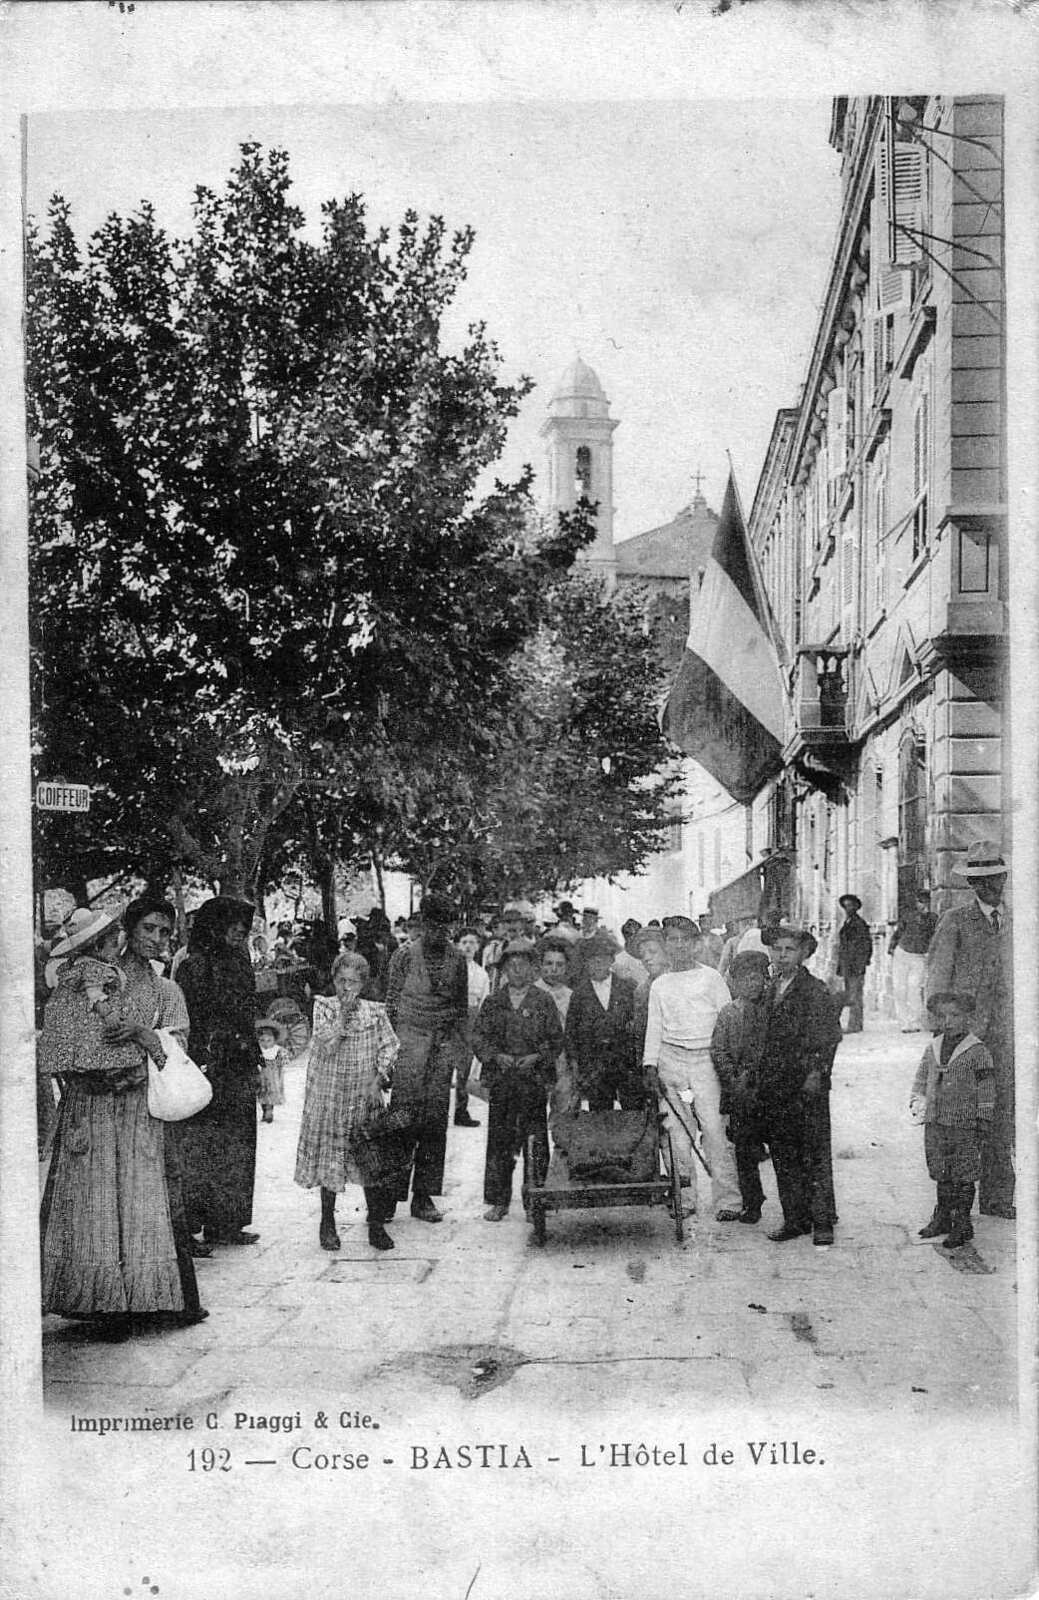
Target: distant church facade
{"x": 666, "y": 561}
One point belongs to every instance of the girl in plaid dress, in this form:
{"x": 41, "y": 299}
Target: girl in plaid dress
{"x": 348, "y": 1079}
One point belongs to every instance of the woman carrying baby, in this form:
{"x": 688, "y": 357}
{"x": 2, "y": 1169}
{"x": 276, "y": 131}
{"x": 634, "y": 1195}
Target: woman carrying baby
{"x": 114, "y": 1240}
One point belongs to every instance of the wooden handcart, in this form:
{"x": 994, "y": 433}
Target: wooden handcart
{"x": 655, "y": 1181}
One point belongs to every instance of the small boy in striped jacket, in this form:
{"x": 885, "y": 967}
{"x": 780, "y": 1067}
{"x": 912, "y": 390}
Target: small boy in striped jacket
{"x": 954, "y": 1096}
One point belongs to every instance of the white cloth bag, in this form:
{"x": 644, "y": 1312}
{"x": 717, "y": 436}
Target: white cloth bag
{"x": 180, "y": 1088}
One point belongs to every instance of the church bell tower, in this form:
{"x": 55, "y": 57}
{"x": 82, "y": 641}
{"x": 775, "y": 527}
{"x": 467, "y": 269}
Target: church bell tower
{"x": 578, "y": 435}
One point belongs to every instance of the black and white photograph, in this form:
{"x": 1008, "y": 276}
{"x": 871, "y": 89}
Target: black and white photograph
{"x": 519, "y": 862}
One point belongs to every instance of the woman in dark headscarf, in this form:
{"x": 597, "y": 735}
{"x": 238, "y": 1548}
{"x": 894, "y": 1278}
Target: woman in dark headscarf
{"x": 219, "y": 1144}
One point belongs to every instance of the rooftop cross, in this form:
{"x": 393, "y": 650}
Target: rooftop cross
{"x": 698, "y": 480}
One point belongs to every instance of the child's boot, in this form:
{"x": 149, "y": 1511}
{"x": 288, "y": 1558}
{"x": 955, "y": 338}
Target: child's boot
{"x": 941, "y": 1218}
{"x": 961, "y": 1231}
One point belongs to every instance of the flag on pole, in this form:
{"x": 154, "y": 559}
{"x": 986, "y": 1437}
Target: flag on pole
{"x": 726, "y": 706}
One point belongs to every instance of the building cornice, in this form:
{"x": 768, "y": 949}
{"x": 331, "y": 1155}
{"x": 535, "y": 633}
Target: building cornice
{"x": 840, "y": 270}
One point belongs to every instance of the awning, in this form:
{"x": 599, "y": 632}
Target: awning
{"x": 764, "y": 886}
{"x": 737, "y": 901}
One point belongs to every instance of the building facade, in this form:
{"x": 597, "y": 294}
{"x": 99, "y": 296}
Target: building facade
{"x": 880, "y": 525}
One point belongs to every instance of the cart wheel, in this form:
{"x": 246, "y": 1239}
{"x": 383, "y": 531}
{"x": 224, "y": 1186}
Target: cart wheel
{"x": 294, "y": 1021}
{"x": 676, "y": 1191}
{"x": 299, "y": 1037}
{"x": 537, "y": 1217}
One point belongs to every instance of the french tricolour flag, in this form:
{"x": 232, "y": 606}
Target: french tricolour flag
{"x": 726, "y": 707}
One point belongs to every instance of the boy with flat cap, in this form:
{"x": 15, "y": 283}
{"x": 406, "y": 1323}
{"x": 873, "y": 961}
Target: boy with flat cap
{"x": 600, "y": 1032}
{"x": 517, "y": 1037}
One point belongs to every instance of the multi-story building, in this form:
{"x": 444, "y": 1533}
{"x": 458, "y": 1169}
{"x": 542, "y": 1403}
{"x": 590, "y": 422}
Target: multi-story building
{"x": 880, "y": 523}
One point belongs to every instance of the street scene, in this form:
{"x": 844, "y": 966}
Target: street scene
{"x": 523, "y": 864}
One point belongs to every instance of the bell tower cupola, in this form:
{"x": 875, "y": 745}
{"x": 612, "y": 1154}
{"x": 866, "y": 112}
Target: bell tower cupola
{"x": 578, "y": 435}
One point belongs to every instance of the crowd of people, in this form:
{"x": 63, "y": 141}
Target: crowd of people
{"x": 731, "y": 1041}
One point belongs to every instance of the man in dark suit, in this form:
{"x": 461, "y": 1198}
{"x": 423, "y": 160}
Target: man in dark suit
{"x": 854, "y": 954}
{"x": 801, "y": 1038}
{"x": 971, "y": 954}
{"x": 600, "y": 1032}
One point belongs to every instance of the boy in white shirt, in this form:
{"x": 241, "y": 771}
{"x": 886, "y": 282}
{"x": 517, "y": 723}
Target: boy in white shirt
{"x": 683, "y": 1009}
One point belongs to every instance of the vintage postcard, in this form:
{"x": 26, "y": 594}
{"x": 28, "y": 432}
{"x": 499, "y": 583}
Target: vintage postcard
{"x": 519, "y": 618}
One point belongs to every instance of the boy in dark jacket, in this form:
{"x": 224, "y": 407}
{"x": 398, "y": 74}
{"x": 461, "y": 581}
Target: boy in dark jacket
{"x": 517, "y": 1037}
{"x": 736, "y": 1047}
{"x": 600, "y": 1032}
{"x": 954, "y": 1096}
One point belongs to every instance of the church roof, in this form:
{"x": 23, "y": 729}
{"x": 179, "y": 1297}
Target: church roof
{"x": 579, "y": 382}
{"x": 674, "y": 550}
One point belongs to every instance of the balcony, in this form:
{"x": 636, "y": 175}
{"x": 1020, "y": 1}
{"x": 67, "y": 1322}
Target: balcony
{"x": 968, "y": 623}
{"x": 820, "y": 684}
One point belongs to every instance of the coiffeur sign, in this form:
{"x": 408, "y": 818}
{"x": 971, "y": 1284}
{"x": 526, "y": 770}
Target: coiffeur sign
{"x": 60, "y": 796}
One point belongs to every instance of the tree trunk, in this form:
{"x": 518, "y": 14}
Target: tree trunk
{"x": 329, "y": 908}
{"x": 178, "y": 901}
{"x": 379, "y": 883}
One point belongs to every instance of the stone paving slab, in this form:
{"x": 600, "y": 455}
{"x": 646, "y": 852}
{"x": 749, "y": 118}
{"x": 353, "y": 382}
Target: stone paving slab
{"x": 648, "y": 1390}
{"x": 160, "y": 1362}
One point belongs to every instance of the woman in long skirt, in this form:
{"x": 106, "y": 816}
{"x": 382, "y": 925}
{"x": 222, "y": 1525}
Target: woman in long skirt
{"x": 113, "y": 1235}
{"x": 340, "y": 1137}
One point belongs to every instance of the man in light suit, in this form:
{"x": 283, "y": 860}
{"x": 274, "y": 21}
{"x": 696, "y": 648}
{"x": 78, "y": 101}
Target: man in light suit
{"x": 971, "y": 953}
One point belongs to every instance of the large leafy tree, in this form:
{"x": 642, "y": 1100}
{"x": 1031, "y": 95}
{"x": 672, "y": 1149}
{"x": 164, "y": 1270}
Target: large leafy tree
{"x": 580, "y": 783}
{"x": 260, "y": 570}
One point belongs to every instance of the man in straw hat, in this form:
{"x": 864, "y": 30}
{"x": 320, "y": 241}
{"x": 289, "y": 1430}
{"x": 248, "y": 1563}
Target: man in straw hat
{"x": 801, "y": 1038}
{"x": 427, "y": 1001}
{"x": 854, "y": 954}
{"x": 971, "y": 953}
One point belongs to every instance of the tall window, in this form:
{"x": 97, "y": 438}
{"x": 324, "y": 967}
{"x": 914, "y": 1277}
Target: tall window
{"x": 876, "y": 548}
{"x": 912, "y": 817}
{"x": 921, "y": 472}
{"x": 583, "y": 471}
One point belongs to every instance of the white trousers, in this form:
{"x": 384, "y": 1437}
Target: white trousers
{"x": 693, "y": 1069}
{"x": 907, "y": 983}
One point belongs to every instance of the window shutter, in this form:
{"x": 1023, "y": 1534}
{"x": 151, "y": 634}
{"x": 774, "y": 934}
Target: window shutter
{"x": 901, "y": 214}
{"x": 869, "y": 552}
{"x": 907, "y": 221}
{"x": 891, "y": 280}
{"x": 848, "y": 552}
{"x": 917, "y": 454}
{"x": 837, "y": 420}
{"x": 880, "y": 501}
{"x": 891, "y": 290}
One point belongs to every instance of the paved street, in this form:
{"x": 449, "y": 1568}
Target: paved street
{"x": 736, "y": 1316}
{"x": 882, "y": 1350}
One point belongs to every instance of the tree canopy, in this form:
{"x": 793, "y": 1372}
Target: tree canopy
{"x": 272, "y": 614}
